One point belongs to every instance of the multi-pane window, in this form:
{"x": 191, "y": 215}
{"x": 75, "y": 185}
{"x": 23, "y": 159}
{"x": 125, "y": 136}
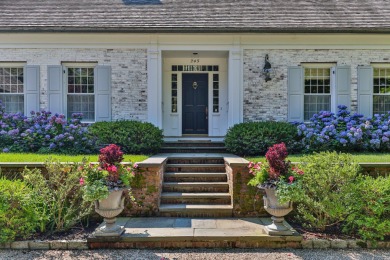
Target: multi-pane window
{"x": 81, "y": 92}
{"x": 381, "y": 91}
{"x": 12, "y": 89}
{"x": 174, "y": 93}
{"x": 215, "y": 93}
{"x": 317, "y": 92}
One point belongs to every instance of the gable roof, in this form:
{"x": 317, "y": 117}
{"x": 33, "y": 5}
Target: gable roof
{"x": 195, "y": 16}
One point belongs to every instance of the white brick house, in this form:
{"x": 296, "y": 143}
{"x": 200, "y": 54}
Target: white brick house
{"x": 194, "y": 68}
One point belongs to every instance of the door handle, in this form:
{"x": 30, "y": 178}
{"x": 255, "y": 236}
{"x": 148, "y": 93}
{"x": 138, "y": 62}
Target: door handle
{"x": 207, "y": 112}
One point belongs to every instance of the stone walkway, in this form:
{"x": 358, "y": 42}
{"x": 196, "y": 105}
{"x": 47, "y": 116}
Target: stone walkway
{"x": 194, "y": 232}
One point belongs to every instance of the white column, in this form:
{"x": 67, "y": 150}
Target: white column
{"x": 154, "y": 89}
{"x": 235, "y": 114}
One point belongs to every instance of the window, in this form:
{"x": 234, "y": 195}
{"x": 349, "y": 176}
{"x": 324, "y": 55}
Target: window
{"x": 174, "y": 93}
{"x": 381, "y": 90}
{"x": 315, "y": 87}
{"x": 215, "y": 93}
{"x": 12, "y": 88}
{"x": 80, "y": 91}
{"x": 317, "y": 90}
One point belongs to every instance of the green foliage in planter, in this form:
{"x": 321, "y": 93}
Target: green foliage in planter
{"x": 132, "y": 136}
{"x": 370, "y": 208}
{"x": 254, "y": 138}
{"x": 19, "y": 217}
{"x": 62, "y": 194}
{"x": 325, "y": 187}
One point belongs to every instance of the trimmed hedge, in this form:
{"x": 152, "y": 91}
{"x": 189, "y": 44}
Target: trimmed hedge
{"x": 133, "y": 137}
{"x": 254, "y": 138}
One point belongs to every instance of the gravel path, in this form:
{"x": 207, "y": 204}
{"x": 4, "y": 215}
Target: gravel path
{"x": 194, "y": 254}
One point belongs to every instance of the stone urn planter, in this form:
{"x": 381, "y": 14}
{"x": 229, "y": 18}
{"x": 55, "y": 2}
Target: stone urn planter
{"x": 278, "y": 211}
{"x": 109, "y": 208}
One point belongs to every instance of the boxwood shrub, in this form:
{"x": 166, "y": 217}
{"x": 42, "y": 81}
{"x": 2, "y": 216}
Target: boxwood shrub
{"x": 254, "y": 138}
{"x": 133, "y": 137}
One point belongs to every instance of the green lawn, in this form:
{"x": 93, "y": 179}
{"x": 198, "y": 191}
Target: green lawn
{"x": 31, "y": 157}
{"x": 359, "y": 157}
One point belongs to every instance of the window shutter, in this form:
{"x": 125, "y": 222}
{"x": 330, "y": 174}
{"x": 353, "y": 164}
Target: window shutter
{"x": 295, "y": 93}
{"x": 365, "y": 85}
{"x": 343, "y": 86}
{"x": 103, "y": 93}
{"x": 31, "y": 89}
{"x": 55, "y": 89}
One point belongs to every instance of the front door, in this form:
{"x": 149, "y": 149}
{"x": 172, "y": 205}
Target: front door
{"x": 195, "y": 103}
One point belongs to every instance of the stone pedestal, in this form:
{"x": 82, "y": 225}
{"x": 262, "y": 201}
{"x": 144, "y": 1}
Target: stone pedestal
{"x": 109, "y": 208}
{"x": 278, "y": 211}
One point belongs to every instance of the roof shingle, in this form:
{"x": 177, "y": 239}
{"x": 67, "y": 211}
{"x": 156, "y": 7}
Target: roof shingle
{"x": 195, "y": 15}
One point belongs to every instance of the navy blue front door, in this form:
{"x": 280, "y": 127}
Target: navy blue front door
{"x": 195, "y": 103}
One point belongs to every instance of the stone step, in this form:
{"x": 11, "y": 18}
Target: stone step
{"x": 195, "y": 168}
{"x": 194, "y": 144}
{"x": 195, "y": 198}
{"x": 193, "y": 150}
{"x": 195, "y": 177}
{"x": 160, "y": 232}
{"x": 195, "y": 187}
{"x": 191, "y": 210}
{"x": 198, "y": 160}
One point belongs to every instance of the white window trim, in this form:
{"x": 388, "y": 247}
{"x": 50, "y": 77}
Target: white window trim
{"x": 66, "y": 65}
{"x": 16, "y": 64}
{"x": 378, "y": 66}
{"x": 322, "y": 65}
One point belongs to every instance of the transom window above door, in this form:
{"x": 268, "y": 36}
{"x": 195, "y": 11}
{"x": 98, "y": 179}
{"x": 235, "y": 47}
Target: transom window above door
{"x": 195, "y": 68}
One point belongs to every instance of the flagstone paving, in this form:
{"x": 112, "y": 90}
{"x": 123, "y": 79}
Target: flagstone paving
{"x": 186, "y": 232}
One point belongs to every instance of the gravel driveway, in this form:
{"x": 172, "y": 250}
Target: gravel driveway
{"x": 194, "y": 254}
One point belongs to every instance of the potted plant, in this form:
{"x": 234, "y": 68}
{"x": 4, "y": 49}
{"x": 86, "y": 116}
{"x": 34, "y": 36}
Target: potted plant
{"x": 279, "y": 180}
{"x": 104, "y": 183}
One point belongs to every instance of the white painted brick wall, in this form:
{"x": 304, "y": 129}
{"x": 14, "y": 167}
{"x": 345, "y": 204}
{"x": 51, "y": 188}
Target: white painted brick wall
{"x": 129, "y": 74}
{"x": 268, "y": 100}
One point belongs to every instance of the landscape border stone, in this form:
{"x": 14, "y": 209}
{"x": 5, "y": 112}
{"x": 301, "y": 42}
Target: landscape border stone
{"x": 305, "y": 244}
{"x": 6, "y": 245}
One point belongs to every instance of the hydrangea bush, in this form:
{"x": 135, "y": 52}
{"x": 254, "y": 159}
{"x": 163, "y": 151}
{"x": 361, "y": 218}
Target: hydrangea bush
{"x": 344, "y": 131}
{"x": 43, "y": 133}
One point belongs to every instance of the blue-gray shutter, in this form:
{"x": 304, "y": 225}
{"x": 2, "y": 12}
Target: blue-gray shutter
{"x": 365, "y": 89}
{"x": 343, "y": 86}
{"x": 31, "y": 89}
{"x": 295, "y": 93}
{"x": 55, "y": 89}
{"x": 103, "y": 93}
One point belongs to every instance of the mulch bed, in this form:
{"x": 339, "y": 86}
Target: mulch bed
{"x": 80, "y": 232}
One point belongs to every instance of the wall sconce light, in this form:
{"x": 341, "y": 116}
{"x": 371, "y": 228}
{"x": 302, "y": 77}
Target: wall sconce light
{"x": 267, "y": 69}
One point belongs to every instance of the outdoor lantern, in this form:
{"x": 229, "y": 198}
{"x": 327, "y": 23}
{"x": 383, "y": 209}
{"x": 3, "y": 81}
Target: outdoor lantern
{"x": 267, "y": 69}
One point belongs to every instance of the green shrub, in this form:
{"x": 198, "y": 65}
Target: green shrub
{"x": 370, "y": 208}
{"x": 254, "y": 138}
{"x": 18, "y": 215}
{"x": 325, "y": 187}
{"x": 133, "y": 137}
{"x": 61, "y": 192}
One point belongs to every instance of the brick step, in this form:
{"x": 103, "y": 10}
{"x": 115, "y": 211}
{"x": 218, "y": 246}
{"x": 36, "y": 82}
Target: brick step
{"x": 191, "y": 210}
{"x": 195, "y": 177}
{"x": 193, "y": 150}
{"x": 194, "y": 144}
{"x": 195, "y": 198}
{"x": 195, "y": 168}
{"x": 195, "y": 187}
{"x": 192, "y": 160}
